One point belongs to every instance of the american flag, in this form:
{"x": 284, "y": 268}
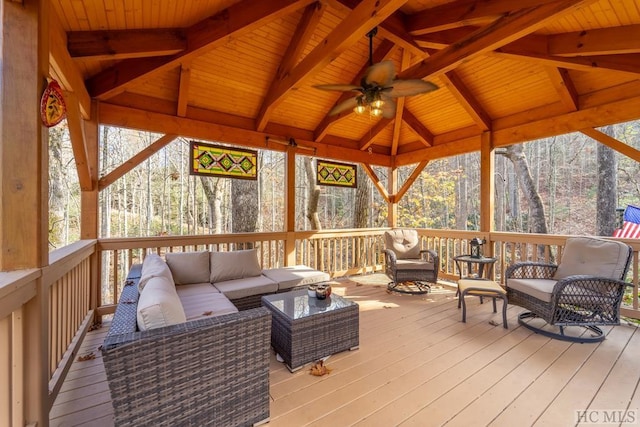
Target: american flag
{"x": 631, "y": 224}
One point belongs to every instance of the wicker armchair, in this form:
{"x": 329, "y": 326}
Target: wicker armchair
{"x": 585, "y": 289}
{"x": 406, "y": 262}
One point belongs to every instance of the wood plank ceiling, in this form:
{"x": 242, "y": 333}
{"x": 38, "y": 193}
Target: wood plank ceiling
{"x": 240, "y": 71}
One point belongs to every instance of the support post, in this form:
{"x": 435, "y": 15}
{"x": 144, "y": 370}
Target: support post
{"x": 392, "y": 205}
{"x": 487, "y": 186}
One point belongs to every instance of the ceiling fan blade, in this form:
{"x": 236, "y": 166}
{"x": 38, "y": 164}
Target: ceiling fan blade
{"x": 389, "y": 109}
{"x": 380, "y": 74}
{"x": 339, "y": 87}
{"x": 409, "y": 87}
{"x": 343, "y": 106}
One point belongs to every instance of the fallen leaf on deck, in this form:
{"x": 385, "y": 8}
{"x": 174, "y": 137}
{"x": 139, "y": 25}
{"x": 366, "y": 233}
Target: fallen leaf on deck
{"x": 493, "y": 323}
{"x": 207, "y": 313}
{"x": 319, "y": 369}
{"x": 88, "y": 356}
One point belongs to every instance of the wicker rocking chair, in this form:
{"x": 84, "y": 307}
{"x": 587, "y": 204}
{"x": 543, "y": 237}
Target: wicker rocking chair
{"x": 585, "y": 289}
{"x": 409, "y": 268}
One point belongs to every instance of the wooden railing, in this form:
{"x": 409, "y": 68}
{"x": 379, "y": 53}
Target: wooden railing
{"x": 48, "y": 310}
{"x": 43, "y": 311}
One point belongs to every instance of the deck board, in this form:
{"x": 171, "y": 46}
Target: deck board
{"x": 419, "y": 365}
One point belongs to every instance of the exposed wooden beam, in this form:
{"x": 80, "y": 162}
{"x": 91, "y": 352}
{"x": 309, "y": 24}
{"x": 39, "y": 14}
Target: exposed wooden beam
{"x": 134, "y": 161}
{"x": 63, "y": 68}
{"x": 421, "y": 131}
{"x": 235, "y": 21}
{"x": 367, "y": 140}
{"x": 467, "y": 100}
{"x": 499, "y": 33}
{"x": 301, "y": 36}
{"x": 376, "y": 181}
{"x": 224, "y": 131}
{"x": 564, "y": 86}
{"x": 392, "y": 28}
{"x": 409, "y": 182}
{"x": 384, "y": 50}
{"x": 463, "y": 12}
{"x": 613, "y": 143}
{"x": 397, "y": 124}
{"x": 78, "y": 141}
{"x": 601, "y": 41}
{"x": 362, "y": 18}
{"x": 124, "y": 44}
{"x": 183, "y": 90}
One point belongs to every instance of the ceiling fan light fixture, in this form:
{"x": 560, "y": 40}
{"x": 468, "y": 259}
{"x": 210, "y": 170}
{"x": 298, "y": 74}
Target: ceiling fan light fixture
{"x": 376, "y": 112}
{"x": 377, "y": 101}
{"x": 360, "y": 108}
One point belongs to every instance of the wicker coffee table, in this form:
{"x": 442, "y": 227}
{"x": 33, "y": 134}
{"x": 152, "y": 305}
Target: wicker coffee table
{"x": 305, "y": 329}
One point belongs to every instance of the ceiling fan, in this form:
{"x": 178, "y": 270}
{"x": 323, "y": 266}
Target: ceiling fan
{"x": 377, "y": 88}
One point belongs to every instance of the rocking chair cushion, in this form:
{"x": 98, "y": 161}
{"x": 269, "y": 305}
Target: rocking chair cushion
{"x": 541, "y": 289}
{"x": 413, "y": 264}
{"x": 593, "y": 257}
{"x": 403, "y": 242}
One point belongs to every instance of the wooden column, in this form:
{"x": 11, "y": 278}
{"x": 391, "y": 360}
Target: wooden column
{"x": 24, "y": 209}
{"x": 392, "y": 206}
{"x": 487, "y": 187}
{"x": 290, "y": 207}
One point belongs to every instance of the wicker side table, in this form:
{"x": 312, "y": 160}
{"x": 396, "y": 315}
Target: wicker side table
{"x": 305, "y": 329}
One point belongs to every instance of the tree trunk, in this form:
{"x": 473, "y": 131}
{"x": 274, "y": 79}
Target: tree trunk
{"x": 462, "y": 208}
{"x": 314, "y": 194}
{"x": 363, "y": 196}
{"x": 607, "y": 188}
{"x": 212, "y": 191}
{"x": 244, "y": 196}
{"x": 57, "y": 178}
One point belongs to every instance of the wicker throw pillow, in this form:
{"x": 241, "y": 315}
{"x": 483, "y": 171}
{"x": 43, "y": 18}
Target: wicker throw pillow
{"x": 234, "y": 265}
{"x": 189, "y": 267}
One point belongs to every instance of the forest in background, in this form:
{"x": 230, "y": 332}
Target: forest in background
{"x": 159, "y": 197}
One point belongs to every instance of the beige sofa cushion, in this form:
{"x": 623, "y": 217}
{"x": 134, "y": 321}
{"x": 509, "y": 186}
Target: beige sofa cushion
{"x": 247, "y": 286}
{"x": 297, "y": 275}
{"x": 403, "y": 242}
{"x": 153, "y": 266}
{"x": 159, "y": 305}
{"x": 203, "y": 300}
{"x": 189, "y": 267}
{"x": 234, "y": 265}
{"x": 593, "y": 257}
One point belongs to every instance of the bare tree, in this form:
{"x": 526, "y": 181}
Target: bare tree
{"x": 314, "y": 194}
{"x": 244, "y": 196}
{"x": 363, "y": 197}
{"x": 607, "y": 187}
{"x": 213, "y": 192}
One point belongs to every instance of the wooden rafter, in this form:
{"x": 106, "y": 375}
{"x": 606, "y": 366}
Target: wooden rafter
{"x": 78, "y": 141}
{"x": 183, "y": 90}
{"x": 564, "y": 86}
{"x": 206, "y": 35}
{"x": 613, "y": 143}
{"x": 367, "y": 140}
{"x": 376, "y": 182}
{"x": 497, "y": 34}
{"x": 467, "y": 100}
{"x": 383, "y": 51}
{"x": 362, "y": 18}
{"x": 134, "y": 161}
{"x": 602, "y": 41}
{"x": 124, "y": 44}
{"x": 299, "y": 40}
{"x": 421, "y": 131}
{"x": 397, "y": 124}
{"x": 462, "y": 13}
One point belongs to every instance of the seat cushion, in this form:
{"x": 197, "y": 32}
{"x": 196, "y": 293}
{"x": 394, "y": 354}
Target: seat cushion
{"x": 246, "y": 287}
{"x": 189, "y": 267}
{"x": 159, "y": 305}
{"x": 413, "y": 264}
{"x": 403, "y": 242}
{"x": 541, "y": 289}
{"x": 203, "y": 300}
{"x": 234, "y": 265}
{"x": 153, "y": 266}
{"x": 297, "y": 275}
{"x": 593, "y": 257}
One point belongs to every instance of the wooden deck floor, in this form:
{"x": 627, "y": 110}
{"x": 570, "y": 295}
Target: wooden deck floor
{"x": 419, "y": 365}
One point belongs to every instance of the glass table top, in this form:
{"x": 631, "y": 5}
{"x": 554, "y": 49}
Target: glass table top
{"x": 297, "y": 304}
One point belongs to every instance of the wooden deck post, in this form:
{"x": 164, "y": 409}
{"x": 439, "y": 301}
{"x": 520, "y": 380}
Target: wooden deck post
{"x": 487, "y": 187}
{"x": 24, "y": 224}
{"x": 392, "y": 216}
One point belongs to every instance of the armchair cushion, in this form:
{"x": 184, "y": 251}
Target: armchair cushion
{"x": 413, "y": 264}
{"x": 541, "y": 289}
{"x": 593, "y": 257}
{"x": 403, "y": 242}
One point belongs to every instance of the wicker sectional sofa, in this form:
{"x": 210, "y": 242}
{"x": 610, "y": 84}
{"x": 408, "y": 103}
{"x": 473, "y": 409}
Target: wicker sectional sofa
{"x": 205, "y": 362}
